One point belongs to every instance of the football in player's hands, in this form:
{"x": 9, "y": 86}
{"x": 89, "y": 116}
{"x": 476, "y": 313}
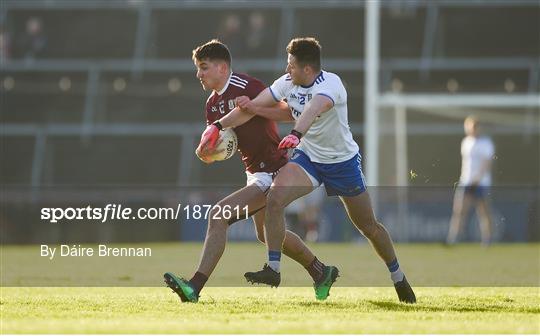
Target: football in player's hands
{"x": 224, "y": 147}
{"x": 204, "y": 154}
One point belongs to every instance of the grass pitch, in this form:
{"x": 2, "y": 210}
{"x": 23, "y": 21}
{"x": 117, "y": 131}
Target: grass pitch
{"x": 465, "y": 289}
{"x": 264, "y": 310}
{"x": 426, "y": 265}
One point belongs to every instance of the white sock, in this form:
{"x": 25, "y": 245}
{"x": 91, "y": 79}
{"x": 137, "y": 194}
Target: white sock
{"x": 274, "y": 265}
{"x": 397, "y": 276}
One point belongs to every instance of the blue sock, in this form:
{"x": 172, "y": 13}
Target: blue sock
{"x": 395, "y": 272}
{"x": 274, "y": 258}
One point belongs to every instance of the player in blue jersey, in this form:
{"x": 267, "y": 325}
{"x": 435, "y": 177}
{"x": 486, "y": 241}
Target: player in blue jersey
{"x": 477, "y": 151}
{"x": 324, "y": 153}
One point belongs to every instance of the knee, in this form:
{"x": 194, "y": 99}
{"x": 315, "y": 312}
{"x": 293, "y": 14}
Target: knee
{"x": 275, "y": 200}
{"x": 216, "y": 223}
{"x": 372, "y": 229}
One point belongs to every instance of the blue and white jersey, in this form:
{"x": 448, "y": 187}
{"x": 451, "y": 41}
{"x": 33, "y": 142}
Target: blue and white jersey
{"x": 474, "y": 152}
{"x": 329, "y": 139}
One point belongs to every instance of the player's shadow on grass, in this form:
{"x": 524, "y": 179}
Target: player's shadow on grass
{"x": 460, "y": 307}
{"x": 326, "y": 304}
{"x": 384, "y": 305}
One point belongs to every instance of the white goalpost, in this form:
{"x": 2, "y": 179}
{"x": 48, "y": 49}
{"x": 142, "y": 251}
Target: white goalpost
{"x": 388, "y": 125}
{"x": 456, "y": 106}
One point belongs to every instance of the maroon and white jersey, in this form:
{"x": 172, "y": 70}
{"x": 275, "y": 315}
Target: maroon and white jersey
{"x": 258, "y": 138}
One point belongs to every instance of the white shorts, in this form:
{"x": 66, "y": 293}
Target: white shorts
{"x": 260, "y": 179}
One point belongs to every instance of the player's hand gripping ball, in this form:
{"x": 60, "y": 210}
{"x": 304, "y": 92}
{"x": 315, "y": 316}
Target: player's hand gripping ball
{"x": 224, "y": 147}
{"x": 209, "y": 138}
{"x": 227, "y": 145}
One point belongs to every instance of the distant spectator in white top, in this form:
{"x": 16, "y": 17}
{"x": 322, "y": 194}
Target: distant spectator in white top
{"x": 477, "y": 153}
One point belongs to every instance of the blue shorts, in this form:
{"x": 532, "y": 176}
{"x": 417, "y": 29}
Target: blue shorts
{"x": 476, "y": 191}
{"x": 340, "y": 179}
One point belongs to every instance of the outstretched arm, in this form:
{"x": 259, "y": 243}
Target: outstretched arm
{"x": 317, "y": 106}
{"x": 263, "y": 105}
{"x": 235, "y": 118}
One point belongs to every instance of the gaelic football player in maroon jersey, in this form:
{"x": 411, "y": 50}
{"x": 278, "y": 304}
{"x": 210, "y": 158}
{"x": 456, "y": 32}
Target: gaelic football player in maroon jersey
{"x": 258, "y": 143}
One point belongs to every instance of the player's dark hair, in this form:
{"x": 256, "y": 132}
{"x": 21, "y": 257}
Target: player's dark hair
{"x": 212, "y": 50}
{"x": 307, "y": 51}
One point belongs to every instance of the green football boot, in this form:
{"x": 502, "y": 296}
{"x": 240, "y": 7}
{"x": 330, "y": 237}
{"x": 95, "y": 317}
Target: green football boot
{"x": 182, "y": 287}
{"x": 322, "y": 287}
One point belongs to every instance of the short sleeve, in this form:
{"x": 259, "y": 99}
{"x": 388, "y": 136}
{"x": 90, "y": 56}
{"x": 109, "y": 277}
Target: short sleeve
{"x": 279, "y": 87}
{"x": 333, "y": 89}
